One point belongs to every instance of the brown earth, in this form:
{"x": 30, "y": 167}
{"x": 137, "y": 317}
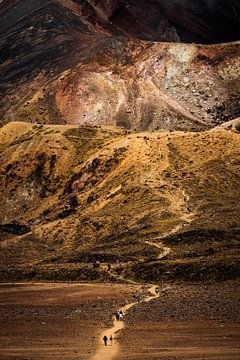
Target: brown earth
{"x": 82, "y": 201}
{"x": 187, "y": 322}
{"x": 63, "y": 321}
{"x": 56, "y": 321}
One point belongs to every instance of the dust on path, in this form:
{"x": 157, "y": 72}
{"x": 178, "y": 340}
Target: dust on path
{"x": 109, "y": 352}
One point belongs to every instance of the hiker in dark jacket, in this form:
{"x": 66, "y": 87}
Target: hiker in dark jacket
{"x": 105, "y": 340}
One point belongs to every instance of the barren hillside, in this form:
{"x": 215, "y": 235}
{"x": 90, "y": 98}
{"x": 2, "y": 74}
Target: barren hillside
{"x": 119, "y": 172}
{"x": 65, "y": 62}
{"x": 73, "y": 195}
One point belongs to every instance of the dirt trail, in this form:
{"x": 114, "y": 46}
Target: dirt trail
{"x": 165, "y": 250}
{"x": 110, "y": 351}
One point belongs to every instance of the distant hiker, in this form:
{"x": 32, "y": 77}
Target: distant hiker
{"x": 120, "y": 315}
{"x": 157, "y": 290}
{"x": 117, "y": 315}
{"x": 109, "y": 267}
{"x": 111, "y": 340}
{"x": 105, "y": 340}
{"x": 96, "y": 264}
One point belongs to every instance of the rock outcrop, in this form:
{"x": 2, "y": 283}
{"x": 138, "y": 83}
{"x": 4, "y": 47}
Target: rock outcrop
{"x": 205, "y": 21}
{"x": 84, "y": 62}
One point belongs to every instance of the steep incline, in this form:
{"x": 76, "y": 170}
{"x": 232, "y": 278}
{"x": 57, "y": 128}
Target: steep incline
{"x": 164, "y": 86}
{"x": 72, "y": 62}
{"x": 206, "y": 21}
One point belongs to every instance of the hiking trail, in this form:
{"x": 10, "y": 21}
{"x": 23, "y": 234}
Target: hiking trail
{"x": 109, "y": 352}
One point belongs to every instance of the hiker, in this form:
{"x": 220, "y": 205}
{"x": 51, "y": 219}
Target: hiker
{"x": 120, "y": 315}
{"x": 109, "y": 267}
{"x": 105, "y": 340}
{"x": 96, "y": 264}
{"x": 111, "y": 340}
{"x": 157, "y": 290}
{"x": 117, "y": 315}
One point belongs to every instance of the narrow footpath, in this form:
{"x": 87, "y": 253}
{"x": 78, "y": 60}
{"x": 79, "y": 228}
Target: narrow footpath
{"x": 109, "y": 352}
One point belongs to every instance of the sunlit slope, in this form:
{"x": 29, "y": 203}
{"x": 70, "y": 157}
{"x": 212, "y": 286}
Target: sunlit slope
{"x": 70, "y": 195}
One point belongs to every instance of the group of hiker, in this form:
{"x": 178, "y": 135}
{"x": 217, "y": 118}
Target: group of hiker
{"x": 105, "y": 340}
{"x": 96, "y": 265}
{"x": 118, "y": 316}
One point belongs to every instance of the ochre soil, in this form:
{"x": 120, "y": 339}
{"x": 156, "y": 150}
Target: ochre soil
{"x": 56, "y": 321}
{"x": 194, "y": 340}
{"x": 74, "y": 195}
{"x": 63, "y": 321}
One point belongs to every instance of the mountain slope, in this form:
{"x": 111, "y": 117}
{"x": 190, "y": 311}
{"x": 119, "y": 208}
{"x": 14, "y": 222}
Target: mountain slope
{"x": 62, "y": 62}
{"x": 157, "y": 20}
{"x": 72, "y": 195}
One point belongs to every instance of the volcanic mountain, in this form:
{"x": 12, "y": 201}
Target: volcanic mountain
{"x": 116, "y": 146}
{"x": 95, "y": 62}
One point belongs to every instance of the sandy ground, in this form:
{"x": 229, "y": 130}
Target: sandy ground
{"x": 67, "y": 321}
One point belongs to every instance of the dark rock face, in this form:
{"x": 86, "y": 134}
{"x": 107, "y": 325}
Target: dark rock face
{"x": 205, "y": 21}
{"x": 16, "y": 229}
{"x": 54, "y": 54}
{"x": 200, "y": 21}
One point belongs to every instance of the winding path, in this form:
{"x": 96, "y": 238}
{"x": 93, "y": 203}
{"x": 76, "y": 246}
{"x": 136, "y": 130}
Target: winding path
{"x": 109, "y": 352}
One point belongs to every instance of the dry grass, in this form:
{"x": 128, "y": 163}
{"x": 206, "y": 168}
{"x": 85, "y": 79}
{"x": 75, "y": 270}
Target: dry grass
{"x": 98, "y": 193}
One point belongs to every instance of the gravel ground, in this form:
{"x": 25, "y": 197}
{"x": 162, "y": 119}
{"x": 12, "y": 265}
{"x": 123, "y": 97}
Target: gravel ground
{"x": 56, "y": 321}
{"x": 188, "y": 322}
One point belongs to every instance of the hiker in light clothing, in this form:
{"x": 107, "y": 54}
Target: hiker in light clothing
{"x": 117, "y": 315}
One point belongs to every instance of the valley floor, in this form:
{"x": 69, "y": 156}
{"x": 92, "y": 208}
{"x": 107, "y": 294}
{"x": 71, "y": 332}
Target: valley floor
{"x": 64, "y": 321}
